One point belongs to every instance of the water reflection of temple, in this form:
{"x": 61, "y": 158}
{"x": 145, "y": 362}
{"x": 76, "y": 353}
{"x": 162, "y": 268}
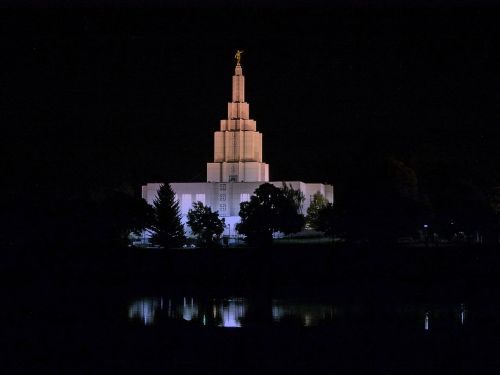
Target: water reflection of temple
{"x": 222, "y": 313}
{"x": 237, "y": 312}
{"x": 230, "y": 312}
{"x": 145, "y": 309}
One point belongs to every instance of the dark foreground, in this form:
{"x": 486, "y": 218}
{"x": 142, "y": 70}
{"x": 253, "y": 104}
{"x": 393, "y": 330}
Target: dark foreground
{"x": 73, "y": 316}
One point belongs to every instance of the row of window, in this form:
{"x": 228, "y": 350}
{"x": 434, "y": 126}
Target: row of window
{"x": 187, "y": 202}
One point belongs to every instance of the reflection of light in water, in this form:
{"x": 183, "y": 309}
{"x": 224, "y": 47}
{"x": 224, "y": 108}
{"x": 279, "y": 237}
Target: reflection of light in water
{"x": 228, "y": 312}
{"x": 231, "y": 311}
{"x": 145, "y": 310}
{"x": 462, "y": 313}
{"x": 308, "y": 319}
{"x": 310, "y": 314}
{"x": 190, "y": 310}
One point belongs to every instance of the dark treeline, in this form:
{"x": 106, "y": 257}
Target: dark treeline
{"x": 384, "y": 198}
{"x": 47, "y": 217}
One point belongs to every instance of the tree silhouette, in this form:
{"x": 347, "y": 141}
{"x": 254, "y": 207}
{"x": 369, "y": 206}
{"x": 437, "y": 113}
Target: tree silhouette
{"x": 294, "y": 196}
{"x": 205, "y": 224}
{"x": 167, "y": 228}
{"x": 101, "y": 216}
{"x": 269, "y": 210}
{"x": 381, "y": 203}
{"x": 327, "y": 220}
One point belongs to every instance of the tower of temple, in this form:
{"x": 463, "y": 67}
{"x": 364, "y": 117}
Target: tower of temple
{"x": 238, "y": 144}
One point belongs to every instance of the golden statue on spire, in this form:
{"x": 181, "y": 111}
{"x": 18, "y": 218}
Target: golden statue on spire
{"x": 238, "y": 56}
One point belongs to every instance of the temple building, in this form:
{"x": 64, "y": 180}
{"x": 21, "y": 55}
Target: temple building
{"x": 237, "y": 169}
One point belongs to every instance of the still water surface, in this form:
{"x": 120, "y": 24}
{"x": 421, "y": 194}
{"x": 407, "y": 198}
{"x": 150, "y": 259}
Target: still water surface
{"x": 237, "y": 312}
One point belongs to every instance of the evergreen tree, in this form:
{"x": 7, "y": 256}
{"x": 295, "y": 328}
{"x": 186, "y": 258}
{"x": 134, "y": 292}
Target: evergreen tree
{"x": 205, "y": 224}
{"x": 167, "y": 228}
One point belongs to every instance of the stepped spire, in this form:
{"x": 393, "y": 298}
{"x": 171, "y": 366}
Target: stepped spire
{"x": 238, "y": 144}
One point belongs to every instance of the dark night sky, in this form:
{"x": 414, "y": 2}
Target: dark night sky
{"x": 108, "y": 95}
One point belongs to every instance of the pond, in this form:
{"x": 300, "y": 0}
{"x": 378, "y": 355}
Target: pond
{"x": 173, "y": 330}
{"x": 319, "y": 334}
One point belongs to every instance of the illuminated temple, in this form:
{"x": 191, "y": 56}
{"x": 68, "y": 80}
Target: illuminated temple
{"x": 237, "y": 169}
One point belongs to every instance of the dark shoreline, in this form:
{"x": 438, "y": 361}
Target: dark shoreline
{"x": 319, "y": 266}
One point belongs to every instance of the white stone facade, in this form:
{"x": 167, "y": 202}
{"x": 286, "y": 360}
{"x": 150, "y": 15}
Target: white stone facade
{"x": 237, "y": 170}
{"x": 225, "y": 197}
